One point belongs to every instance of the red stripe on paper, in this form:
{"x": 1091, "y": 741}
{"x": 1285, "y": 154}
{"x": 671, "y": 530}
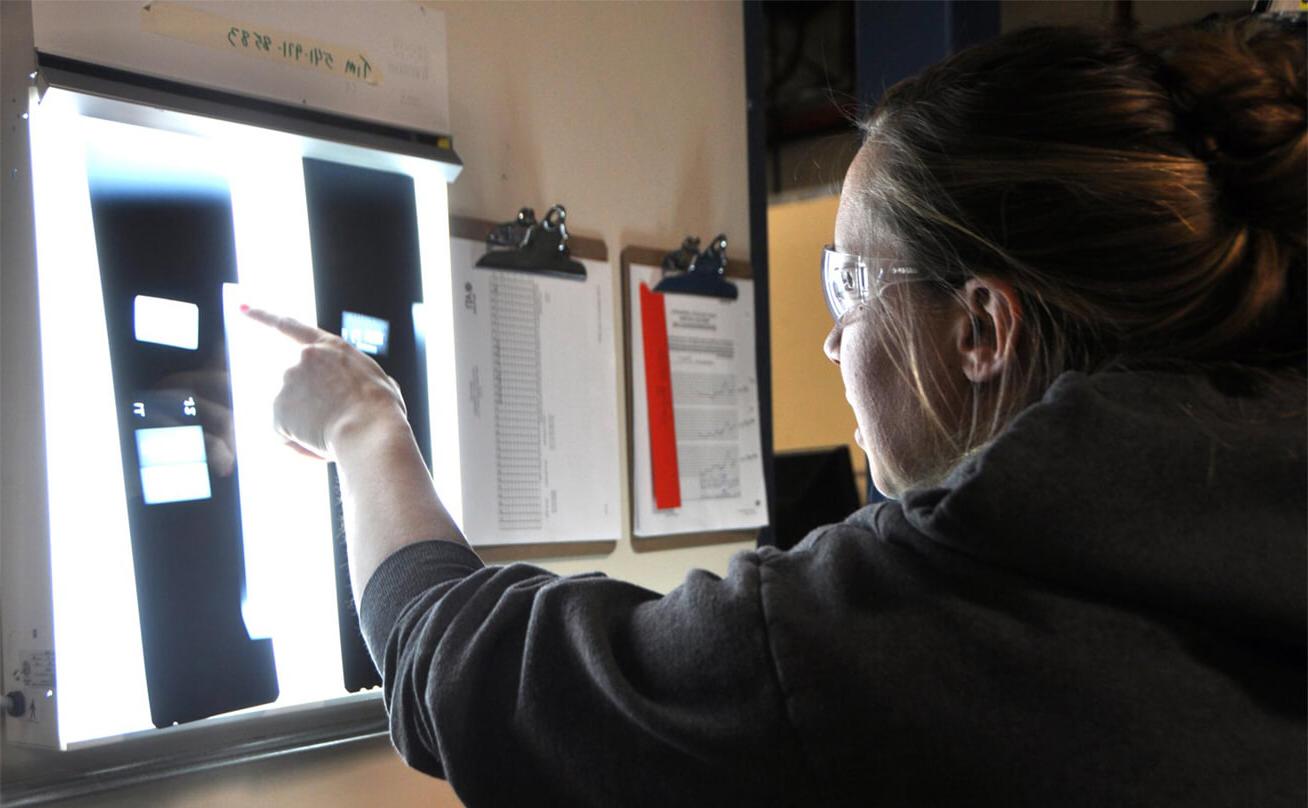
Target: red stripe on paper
{"x": 658, "y": 397}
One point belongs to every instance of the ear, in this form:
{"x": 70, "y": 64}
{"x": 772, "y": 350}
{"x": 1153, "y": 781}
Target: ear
{"x": 987, "y": 331}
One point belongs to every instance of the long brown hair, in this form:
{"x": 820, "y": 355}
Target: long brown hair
{"x": 1144, "y": 194}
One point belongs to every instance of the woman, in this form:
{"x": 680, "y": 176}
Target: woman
{"x": 1068, "y": 282}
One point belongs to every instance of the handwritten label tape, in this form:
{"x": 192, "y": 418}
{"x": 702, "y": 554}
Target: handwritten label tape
{"x": 180, "y": 21}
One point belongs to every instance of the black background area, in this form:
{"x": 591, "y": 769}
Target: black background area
{"x": 363, "y": 229}
{"x": 815, "y": 487}
{"x": 188, "y": 556}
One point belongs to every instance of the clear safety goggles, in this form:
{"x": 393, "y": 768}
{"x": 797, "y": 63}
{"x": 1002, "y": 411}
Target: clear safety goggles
{"x": 848, "y": 280}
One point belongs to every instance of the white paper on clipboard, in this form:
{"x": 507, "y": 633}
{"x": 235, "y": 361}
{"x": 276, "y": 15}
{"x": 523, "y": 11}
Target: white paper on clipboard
{"x": 714, "y": 380}
{"x": 538, "y": 403}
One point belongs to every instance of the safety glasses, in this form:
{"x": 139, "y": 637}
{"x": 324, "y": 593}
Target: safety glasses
{"x": 848, "y": 280}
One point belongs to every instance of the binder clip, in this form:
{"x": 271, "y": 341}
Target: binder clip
{"x": 703, "y": 271}
{"x": 680, "y": 259}
{"x": 527, "y": 245}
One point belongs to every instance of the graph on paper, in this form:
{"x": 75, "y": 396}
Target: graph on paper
{"x": 705, "y": 389}
{"x": 715, "y": 405}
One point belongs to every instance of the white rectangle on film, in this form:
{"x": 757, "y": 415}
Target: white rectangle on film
{"x": 538, "y": 403}
{"x": 711, "y": 356}
{"x": 370, "y": 335}
{"x": 170, "y": 446}
{"x": 175, "y": 323}
{"x": 173, "y": 464}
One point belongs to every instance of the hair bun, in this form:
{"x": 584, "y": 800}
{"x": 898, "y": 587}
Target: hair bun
{"x": 1238, "y": 91}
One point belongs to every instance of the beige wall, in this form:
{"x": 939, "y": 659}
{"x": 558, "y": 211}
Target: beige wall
{"x": 632, "y": 115}
{"x": 808, "y": 397}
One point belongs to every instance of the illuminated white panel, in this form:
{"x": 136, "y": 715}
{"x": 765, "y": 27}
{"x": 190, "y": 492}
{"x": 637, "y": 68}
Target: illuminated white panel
{"x": 166, "y": 322}
{"x": 290, "y": 567}
{"x": 436, "y": 317}
{"x": 138, "y": 159}
{"x": 94, "y": 583}
{"x": 286, "y": 516}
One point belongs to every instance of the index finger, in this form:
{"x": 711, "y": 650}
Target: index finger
{"x": 291, "y": 327}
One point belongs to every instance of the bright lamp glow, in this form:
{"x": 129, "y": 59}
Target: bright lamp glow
{"x": 94, "y": 583}
{"x": 290, "y": 592}
{"x": 435, "y": 320}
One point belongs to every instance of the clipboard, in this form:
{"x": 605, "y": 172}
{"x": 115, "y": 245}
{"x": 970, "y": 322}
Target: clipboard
{"x": 688, "y": 272}
{"x": 528, "y": 250}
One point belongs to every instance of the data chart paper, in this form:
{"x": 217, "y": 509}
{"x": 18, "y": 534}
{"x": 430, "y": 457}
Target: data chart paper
{"x": 715, "y": 422}
{"x": 538, "y": 391}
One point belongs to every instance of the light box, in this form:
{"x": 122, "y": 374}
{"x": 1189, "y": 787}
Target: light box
{"x": 197, "y": 565}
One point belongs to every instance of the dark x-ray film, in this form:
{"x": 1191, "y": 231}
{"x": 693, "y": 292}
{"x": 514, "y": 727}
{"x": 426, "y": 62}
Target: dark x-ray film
{"x": 170, "y": 238}
{"x": 363, "y": 227}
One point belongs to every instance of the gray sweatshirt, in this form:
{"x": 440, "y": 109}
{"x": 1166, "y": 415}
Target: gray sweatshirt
{"x": 1104, "y": 607}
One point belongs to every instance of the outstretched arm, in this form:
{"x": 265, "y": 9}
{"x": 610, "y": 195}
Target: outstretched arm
{"x": 338, "y": 404}
{"x": 515, "y": 684}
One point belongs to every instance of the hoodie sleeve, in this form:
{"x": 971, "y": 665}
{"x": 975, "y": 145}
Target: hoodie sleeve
{"x": 521, "y": 686}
